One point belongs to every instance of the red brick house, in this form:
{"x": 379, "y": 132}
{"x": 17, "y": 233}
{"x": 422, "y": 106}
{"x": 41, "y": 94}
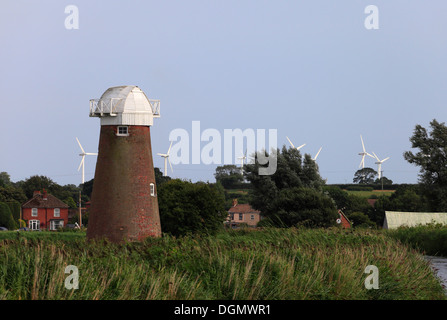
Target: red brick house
{"x": 44, "y": 211}
{"x": 242, "y": 213}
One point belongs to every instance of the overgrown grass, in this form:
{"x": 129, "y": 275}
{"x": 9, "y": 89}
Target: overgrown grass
{"x": 271, "y": 264}
{"x": 429, "y": 239}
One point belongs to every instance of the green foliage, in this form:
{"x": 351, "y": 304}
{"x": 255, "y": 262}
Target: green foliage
{"x": 360, "y": 220}
{"x": 11, "y": 193}
{"x": 272, "y": 264}
{"x": 160, "y": 178}
{"x": 6, "y": 219}
{"x": 293, "y": 194}
{"x": 229, "y": 176}
{"x": 364, "y": 176}
{"x": 430, "y": 239}
{"x": 432, "y": 160}
{"x": 15, "y": 208}
{"x": 187, "y": 207}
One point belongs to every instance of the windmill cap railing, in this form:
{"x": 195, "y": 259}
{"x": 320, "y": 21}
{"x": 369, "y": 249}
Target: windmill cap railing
{"x": 111, "y": 107}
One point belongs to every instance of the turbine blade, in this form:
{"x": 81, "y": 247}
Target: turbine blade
{"x": 82, "y": 162}
{"x": 91, "y": 154}
{"x": 376, "y": 156}
{"x": 385, "y": 159}
{"x": 363, "y": 145}
{"x": 172, "y": 170}
{"x": 80, "y": 145}
{"x": 170, "y": 147}
{"x": 300, "y": 146}
{"x": 318, "y": 153}
{"x": 290, "y": 142}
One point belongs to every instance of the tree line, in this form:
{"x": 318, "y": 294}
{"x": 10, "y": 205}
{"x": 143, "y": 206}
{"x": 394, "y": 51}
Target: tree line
{"x": 295, "y": 195}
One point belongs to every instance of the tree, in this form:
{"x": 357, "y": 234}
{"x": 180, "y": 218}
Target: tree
{"x": 38, "y": 183}
{"x": 160, "y": 178}
{"x": 187, "y": 207}
{"x": 5, "y": 179}
{"x": 432, "y": 160}
{"x": 293, "y": 195}
{"x": 6, "y": 219}
{"x": 365, "y": 176}
{"x": 229, "y": 176}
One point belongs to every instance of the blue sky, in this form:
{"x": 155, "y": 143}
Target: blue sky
{"x": 309, "y": 69}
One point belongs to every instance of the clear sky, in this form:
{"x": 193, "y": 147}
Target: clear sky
{"x": 309, "y": 69}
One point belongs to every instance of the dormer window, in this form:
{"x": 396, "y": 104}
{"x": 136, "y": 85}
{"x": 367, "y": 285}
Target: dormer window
{"x": 122, "y": 131}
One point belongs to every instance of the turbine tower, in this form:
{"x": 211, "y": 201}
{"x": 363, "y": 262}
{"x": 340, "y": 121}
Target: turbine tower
{"x": 242, "y": 158}
{"x": 166, "y": 156}
{"x": 363, "y": 154}
{"x": 82, "y": 164}
{"x": 379, "y": 164}
{"x": 297, "y": 148}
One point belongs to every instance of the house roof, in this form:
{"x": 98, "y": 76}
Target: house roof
{"x": 38, "y": 202}
{"x": 394, "y": 219}
{"x": 242, "y": 208}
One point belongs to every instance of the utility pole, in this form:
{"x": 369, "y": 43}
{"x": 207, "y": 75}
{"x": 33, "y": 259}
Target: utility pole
{"x": 80, "y": 213}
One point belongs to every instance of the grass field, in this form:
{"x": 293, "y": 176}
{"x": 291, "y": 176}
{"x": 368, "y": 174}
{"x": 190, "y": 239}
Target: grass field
{"x": 368, "y": 194}
{"x": 276, "y": 264}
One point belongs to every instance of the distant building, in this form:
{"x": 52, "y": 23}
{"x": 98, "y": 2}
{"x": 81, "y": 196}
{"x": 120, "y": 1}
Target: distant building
{"x": 394, "y": 219}
{"x": 343, "y": 220}
{"x": 241, "y": 213}
{"x": 44, "y": 211}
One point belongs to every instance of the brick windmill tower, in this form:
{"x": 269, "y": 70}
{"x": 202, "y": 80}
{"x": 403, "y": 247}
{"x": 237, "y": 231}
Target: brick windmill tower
{"x": 124, "y": 204}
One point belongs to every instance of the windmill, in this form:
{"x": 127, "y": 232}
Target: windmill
{"x": 379, "y": 164}
{"x": 82, "y": 164}
{"x": 242, "y": 158}
{"x": 315, "y": 158}
{"x": 166, "y": 156}
{"x": 297, "y": 148}
{"x": 363, "y": 154}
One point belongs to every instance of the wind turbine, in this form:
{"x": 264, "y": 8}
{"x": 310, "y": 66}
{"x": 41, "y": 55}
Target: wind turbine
{"x": 379, "y": 164}
{"x": 363, "y": 154}
{"x": 297, "y": 148}
{"x": 315, "y": 158}
{"x": 242, "y": 158}
{"x": 82, "y": 164}
{"x": 166, "y": 156}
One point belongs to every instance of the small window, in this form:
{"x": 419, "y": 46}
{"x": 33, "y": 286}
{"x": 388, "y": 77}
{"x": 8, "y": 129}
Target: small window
{"x": 252, "y": 217}
{"x": 57, "y": 212}
{"x": 152, "y": 186}
{"x": 34, "y": 224}
{"x": 240, "y": 216}
{"x": 122, "y": 131}
{"x": 34, "y": 212}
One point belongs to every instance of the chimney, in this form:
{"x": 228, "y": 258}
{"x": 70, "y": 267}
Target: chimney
{"x": 234, "y": 202}
{"x": 44, "y": 194}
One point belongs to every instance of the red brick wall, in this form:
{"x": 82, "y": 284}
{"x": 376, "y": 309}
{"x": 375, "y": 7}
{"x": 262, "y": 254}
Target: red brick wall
{"x": 122, "y": 207}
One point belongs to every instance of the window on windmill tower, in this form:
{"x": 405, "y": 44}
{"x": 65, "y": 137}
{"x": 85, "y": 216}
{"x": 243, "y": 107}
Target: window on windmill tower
{"x": 122, "y": 131}
{"x": 152, "y": 186}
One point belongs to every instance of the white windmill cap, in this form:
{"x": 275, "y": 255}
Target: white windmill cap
{"x": 125, "y": 105}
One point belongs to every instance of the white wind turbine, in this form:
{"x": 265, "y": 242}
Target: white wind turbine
{"x": 82, "y": 164}
{"x": 166, "y": 156}
{"x": 297, "y": 148}
{"x": 242, "y": 158}
{"x": 363, "y": 154}
{"x": 379, "y": 164}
